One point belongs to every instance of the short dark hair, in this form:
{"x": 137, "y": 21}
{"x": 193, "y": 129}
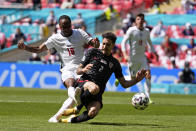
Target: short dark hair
{"x": 65, "y": 17}
{"x": 140, "y": 15}
{"x": 111, "y": 36}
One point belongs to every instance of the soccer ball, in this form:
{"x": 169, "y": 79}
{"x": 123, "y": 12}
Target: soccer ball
{"x": 140, "y": 101}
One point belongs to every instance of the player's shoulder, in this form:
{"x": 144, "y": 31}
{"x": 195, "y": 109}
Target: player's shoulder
{"x": 131, "y": 29}
{"x": 147, "y": 30}
{"x": 78, "y": 30}
{"x": 93, "y": 50}
{"x": 56, "y": 36}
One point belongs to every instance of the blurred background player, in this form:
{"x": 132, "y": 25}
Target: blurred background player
{"x": 186, "y": 75}
{"x": 138, "y": 37}
{"x": 69, "y": 45}
{"x": 96, "y": 69}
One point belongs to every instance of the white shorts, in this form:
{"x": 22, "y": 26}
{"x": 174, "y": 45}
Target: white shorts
{"x": 135, "y": 66}
{"x": 69, "y": 72}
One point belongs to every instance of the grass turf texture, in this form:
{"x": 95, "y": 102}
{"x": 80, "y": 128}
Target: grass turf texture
{"x": 23, "y": 109}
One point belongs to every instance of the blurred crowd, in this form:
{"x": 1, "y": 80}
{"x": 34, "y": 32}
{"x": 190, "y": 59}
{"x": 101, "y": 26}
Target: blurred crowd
{"x": 172, "y": 55}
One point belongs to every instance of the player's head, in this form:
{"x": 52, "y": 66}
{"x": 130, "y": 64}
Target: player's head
{"x": 139, "y": 20}
{"x": 65, "y": 25}
{"x": 108, "y": 42}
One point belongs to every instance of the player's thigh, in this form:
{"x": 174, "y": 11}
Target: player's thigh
{"x": 92, "y": 87}
{"x": 134, "y": 67}
{"x": 93, "y": 108}
{"x": 68, "y": 77}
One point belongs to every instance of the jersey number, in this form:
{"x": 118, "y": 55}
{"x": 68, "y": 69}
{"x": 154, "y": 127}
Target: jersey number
{"x": 71, "y": 51}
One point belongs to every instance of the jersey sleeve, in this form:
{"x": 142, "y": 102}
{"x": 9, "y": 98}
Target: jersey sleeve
{"x": 150, "y": 42}
{"x": 85, "y": 37}
{"x": 50, "y": 42}
{"x": 87, "y": 57}
{"x": 125, "y": 39}
{"x": 118, "y": 70}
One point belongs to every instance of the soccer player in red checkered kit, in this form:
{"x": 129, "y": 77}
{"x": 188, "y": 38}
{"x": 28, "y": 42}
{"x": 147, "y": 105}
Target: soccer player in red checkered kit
{"x": 69, "y": 44}
{"x": 96, "y": 69}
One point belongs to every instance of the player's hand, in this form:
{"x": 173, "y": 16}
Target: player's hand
{"x": 21, "y": 45}
{"x": 96, "y": 42}
{"x": 87, "y": 68}
{"x": 140, "y": 75}
{"x": 147, "y": 74}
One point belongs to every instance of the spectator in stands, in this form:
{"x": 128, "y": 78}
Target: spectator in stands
{"x": 51, "y": 20}
{"x": 2, "y": 40}
{"x": 116, "y": 52}
{"x": 3, "y": 20}
{"x": 18, "y": 36}
{"x": 169, "y": 47}
{"x": 36, "y": 4}
{"x": 187, "y": 4}
{"x": 192, "y": 44}
{"x": 97, "y": 2}
{"x": 67, "y": 4}
{"x": 186, "y": 75}
{"x": 78, "y": 22}
{"x": 155, "y": 9}
{"x": 158, "y": 30}
{"x": 173, "y": 63}
{"x": 127, "y": 22}
{"x": 188, "y": 31}
{"x": 34, "y": 57}
{"x": 110, "y": 12}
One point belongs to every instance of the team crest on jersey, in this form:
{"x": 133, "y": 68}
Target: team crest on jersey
{"x": 111, "y": 65}
{"x": 103, "y": 61}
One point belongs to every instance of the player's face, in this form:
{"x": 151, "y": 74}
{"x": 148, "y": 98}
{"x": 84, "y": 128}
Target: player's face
{"x": 139, "y": 21}
{"x": 107, "y": 46}
{"x": 65, "y": 26}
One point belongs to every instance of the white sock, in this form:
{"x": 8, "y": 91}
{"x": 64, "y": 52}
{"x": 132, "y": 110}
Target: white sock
{"x": 71, "y": 92}
{"x": 147, "y": 87}
{"x": 67, "y": 104}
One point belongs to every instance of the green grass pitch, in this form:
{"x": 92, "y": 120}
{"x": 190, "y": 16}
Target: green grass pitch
{"x": 24, "y": 109}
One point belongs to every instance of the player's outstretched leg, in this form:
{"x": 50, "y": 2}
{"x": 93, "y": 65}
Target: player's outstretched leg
{"x": 77, "y": 95}
{"x": 147, "y": 88}
{"x": 67, "y": 103}
{"x": 81, "y": 118}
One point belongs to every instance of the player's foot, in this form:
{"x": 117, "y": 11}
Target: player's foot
{"x": 116, "y": 82}
{"x": 70, "y": 111}
{"x": 77, "y": 95}
{"x": 53, "y": 120}
{"x": 151, "y": 102}
{"x": 67, "y": 120}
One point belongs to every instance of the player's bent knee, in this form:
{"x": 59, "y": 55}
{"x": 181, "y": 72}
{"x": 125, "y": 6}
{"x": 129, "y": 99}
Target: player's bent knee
{"x": 93, "y": 112}
{"x": 95, "y": 90}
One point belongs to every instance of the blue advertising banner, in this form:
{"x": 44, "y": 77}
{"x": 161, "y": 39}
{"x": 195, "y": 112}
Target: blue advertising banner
{"x": 48, "y": 76}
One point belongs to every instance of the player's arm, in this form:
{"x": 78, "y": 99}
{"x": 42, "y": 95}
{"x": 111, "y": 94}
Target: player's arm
{"x": 35, "y": 49}
{"x": 94, "y": 42}
{"x": 123, "y": 45}
{"x": 81, "y": 69}
{"x": 151, "y": 46}
{"x": 127, "y": 83}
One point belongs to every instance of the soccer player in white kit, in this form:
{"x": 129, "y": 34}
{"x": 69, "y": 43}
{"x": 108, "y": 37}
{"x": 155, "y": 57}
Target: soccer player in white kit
{"x": 138, "y": 37}
{"x": 69, "y": 44}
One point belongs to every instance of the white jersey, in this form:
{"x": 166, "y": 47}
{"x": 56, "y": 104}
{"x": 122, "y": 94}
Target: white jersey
{"x": 70, "y": 48}
{"x": 138, "y": 40}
